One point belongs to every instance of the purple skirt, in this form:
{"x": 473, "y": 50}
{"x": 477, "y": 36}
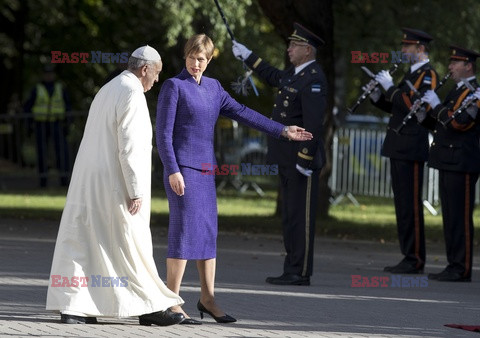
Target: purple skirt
{"x": 193, "y": 220}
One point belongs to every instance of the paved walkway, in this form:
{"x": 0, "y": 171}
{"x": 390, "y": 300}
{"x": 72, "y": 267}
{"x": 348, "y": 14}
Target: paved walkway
{"x": 329, "y": 307}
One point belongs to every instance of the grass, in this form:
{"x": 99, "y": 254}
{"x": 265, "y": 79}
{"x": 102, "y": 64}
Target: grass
{"x": 374, "y": 219}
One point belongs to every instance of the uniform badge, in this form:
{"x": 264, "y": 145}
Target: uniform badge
{"x": 316, "y": 88}
{"x": 305, "y": 151}
{"x": 427, "y": 80}
{"x": 283, "y": 114}
{"x": 314, "y": 71}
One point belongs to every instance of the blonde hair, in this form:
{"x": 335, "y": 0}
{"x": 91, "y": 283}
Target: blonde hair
{"x": 199, "y": 43}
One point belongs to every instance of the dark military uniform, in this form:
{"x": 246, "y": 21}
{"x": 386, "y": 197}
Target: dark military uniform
{"x": 407, "y": 149}
{"x": 301, "y": 101}
{"x": 455, "y": 152}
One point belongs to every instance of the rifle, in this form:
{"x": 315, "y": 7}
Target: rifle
{"x": 418, "y": 104}
{"x": 467, "y": 103}
{"x": 243, "y": 82}
{"x": 370, "y": 86}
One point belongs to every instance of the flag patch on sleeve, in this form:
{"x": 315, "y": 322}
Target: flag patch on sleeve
{"x": 316, "y": 88}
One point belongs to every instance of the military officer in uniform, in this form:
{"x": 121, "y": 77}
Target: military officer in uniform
{"x": 407, "y": 147}
{"x": 301, "y": 100}
{"x": 455, "y": 152}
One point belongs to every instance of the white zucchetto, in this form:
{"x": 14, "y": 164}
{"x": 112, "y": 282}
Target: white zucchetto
{"x": 146, "y": 53}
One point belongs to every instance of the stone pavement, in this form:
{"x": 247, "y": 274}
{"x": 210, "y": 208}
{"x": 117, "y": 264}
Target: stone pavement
{"x": 329, "y": 307}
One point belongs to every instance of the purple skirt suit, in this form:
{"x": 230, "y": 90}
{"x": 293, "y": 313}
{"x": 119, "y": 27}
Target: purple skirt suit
{"x": 186, "y": 117}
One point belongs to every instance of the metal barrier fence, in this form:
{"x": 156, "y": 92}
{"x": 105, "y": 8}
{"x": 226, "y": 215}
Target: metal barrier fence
{"x": 358, "y": 169}
{"x": 42, "y": 151}
{"x": 245, "y": 147}
{"x": 42, "y": 154}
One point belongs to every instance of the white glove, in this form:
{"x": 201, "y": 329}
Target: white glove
{"x": 477, "y": 93}
{"x": 431, "y": 98}
{"x": 473, "y": 109}
{"x": 305, "y": 172}
{"x": 370, "y": 85}
{"x": 385, "y": 79}
{"x": 421, "y": 114}
{"x": 375, "y": 94}
{"x": 240, "y": 51}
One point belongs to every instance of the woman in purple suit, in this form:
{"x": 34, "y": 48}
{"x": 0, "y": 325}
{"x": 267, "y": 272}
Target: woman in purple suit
{"x": 188, "y": 108}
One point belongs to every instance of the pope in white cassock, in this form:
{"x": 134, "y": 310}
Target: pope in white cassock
{"x": 103, "y": 262}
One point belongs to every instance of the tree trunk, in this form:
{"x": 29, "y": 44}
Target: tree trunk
{"x": 316, "y": 15}
{"x": 11, "y": 68}
{"x": 12, "y": 63}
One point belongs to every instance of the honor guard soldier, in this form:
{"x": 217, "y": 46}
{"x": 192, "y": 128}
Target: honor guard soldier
{"x": 455, "y": 152}
{"x": 407, "y": 147}
{"x": 301, "y": 100}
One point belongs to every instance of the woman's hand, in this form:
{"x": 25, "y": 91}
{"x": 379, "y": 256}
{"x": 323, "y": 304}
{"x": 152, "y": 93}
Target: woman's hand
{"x": 295, "y": 133}
{"x": 176, "y": 183}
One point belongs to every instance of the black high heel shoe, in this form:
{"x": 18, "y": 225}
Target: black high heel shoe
{"x": 223, "y": 319}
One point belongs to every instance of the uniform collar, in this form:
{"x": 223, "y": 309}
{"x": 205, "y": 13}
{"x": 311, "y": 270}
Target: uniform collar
{"x": 302, "y": 66}
{"x": 469, "y": 79}
{"x": 418, "y": 65}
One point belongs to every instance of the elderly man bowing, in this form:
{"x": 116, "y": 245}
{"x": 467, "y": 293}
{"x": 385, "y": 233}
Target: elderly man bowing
{"x": 103, "y": 262}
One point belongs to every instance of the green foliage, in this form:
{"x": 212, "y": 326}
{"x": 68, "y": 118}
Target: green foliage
{"x": 121, "y": 26}
{"x": 249, "y": 26}
{"x": 40, "y": 26}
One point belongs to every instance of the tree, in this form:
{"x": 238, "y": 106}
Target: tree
{"x": 32, "y": 29}
{"x": 13, "y": 16}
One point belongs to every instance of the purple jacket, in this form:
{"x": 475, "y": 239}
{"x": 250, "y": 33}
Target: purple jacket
{"x": 186, "y": 117}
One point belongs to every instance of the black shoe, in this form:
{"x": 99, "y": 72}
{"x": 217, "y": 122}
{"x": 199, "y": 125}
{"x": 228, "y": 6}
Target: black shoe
{"x": 288, "y": 279}
{"x": 161, "y": 318}
{"x": 403, "y": 267}
{"x": 71, "y": 319}
{"x": 190, "y": 321}
{"x": 434, "y": 276}
{"x": 449, "y": 276}
{"x": 223, "y": 319}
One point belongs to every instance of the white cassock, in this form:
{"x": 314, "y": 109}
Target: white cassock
{"x": 98, "y": 238}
